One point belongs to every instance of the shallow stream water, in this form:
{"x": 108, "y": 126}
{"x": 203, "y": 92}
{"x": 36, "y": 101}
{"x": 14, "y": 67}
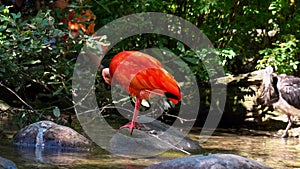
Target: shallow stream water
{"x": 274, "y": 152}
{"x": 260, "y": 146}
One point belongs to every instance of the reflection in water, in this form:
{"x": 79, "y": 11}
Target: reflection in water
{"x": 30, "y": 157}
{"x": 50, "y": 156}
{"x": 274, "y": 152}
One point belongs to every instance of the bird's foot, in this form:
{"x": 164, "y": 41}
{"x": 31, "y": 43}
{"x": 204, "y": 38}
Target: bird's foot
{"x": 131, "y": 125}
{"x": 285, "y": 135}
{"x": 281, "y": 135}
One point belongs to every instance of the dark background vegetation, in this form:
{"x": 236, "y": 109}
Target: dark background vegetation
{"x": 38, "y": 52}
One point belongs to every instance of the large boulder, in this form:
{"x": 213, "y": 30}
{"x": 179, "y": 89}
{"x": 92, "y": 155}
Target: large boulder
{"x": 51, "y": 135}
{"x": 211, "y": 161}
{"x": 7, "y": 164}
{"x": 154, "y": 138}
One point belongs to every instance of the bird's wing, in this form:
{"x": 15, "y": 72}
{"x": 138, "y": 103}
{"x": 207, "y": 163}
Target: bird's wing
{"x": 139, "y": 73}
{"x": 127, "y": 64}
{"x": 289, "y": 89}
{"x": 157, "y": 81}
{"x": 132, "y": 62}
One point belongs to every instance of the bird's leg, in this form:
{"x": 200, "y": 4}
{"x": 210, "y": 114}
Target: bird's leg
{"x": 134, "y": 124}
{"x": 286, "y": 131}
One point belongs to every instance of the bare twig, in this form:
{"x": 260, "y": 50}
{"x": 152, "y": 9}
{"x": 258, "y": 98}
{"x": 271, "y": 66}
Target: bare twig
{"x": 177, "y": 148}
{"x": 30, "y": 107}
{"x": 14, "y": 93}
{"x": 179, "y": 118}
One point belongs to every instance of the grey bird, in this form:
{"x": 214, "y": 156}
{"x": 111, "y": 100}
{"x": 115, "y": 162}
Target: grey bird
{"x": 283, "y": 93}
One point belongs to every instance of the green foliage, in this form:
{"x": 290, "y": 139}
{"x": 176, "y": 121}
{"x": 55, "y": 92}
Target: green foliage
{"x": 282, "y": 57}
{"x": 239, "y": 30}
{"x": 202, "y": 62}
{"x": 283, "y": 53}
{"x": 36, "y": 59}
{"x": 247, "y": 35}
{"x": 30, "y": 48}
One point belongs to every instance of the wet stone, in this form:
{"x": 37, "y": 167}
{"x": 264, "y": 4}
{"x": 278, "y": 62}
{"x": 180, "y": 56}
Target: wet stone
{"x": 154, "y": 138}
{"x": 7, "y": 164}
{"x": 51, "y": 135}
{"x": 212, "y": 161}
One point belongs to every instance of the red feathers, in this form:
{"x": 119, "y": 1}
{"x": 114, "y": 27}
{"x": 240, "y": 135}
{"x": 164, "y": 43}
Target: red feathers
{"x": 141, "y": 75}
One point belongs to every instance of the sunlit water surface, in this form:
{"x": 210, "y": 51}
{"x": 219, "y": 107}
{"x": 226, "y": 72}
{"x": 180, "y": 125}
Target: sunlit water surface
{"x": 259, "y": 146}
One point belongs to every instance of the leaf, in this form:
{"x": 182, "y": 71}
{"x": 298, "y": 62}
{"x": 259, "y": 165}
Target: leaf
{"x": 191, "y": 60}
{"x": 180, "y": 47}
{"x": 57, "y": 92}
{"x": 16, "y": 16}
{"x": 56, "y": 112}
{"x": 54, "y": 83}
{"x": 4, "y": 18}
{"x": 10, "y": 30}
{"x": 23, "y": 115}
{"x": 32, "y": 62}
{"x": 2, "y": 69}
{"x": 31, "y": 26}
{"x": 3, "y": 27}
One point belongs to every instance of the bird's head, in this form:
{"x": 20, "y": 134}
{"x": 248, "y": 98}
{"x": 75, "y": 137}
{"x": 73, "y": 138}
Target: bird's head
{"x": 267, "y": 76}
{"x": 269, "y": 70}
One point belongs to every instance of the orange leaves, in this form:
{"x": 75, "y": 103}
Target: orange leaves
{"x": 84, "y": 21}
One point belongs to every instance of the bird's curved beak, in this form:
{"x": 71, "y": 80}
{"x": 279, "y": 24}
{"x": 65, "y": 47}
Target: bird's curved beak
{"x": 106, "y": 76}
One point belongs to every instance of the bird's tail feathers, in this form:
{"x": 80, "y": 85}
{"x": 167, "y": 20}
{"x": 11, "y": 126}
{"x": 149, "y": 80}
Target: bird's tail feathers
{"x": 172, "y": 97}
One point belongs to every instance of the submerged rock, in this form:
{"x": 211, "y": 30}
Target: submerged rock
{"x": 213, "y": 161}
{"x": 154, "y": 138}
{"x": 7, "y": 164}
{"x": 51, "y": 135}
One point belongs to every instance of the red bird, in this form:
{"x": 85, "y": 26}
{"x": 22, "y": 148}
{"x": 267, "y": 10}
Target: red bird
{"x": 141, "y": 75}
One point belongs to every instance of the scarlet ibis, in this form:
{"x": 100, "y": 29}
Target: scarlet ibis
{"x": 283, "y": 93}
{"x": 142, "y": 76}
